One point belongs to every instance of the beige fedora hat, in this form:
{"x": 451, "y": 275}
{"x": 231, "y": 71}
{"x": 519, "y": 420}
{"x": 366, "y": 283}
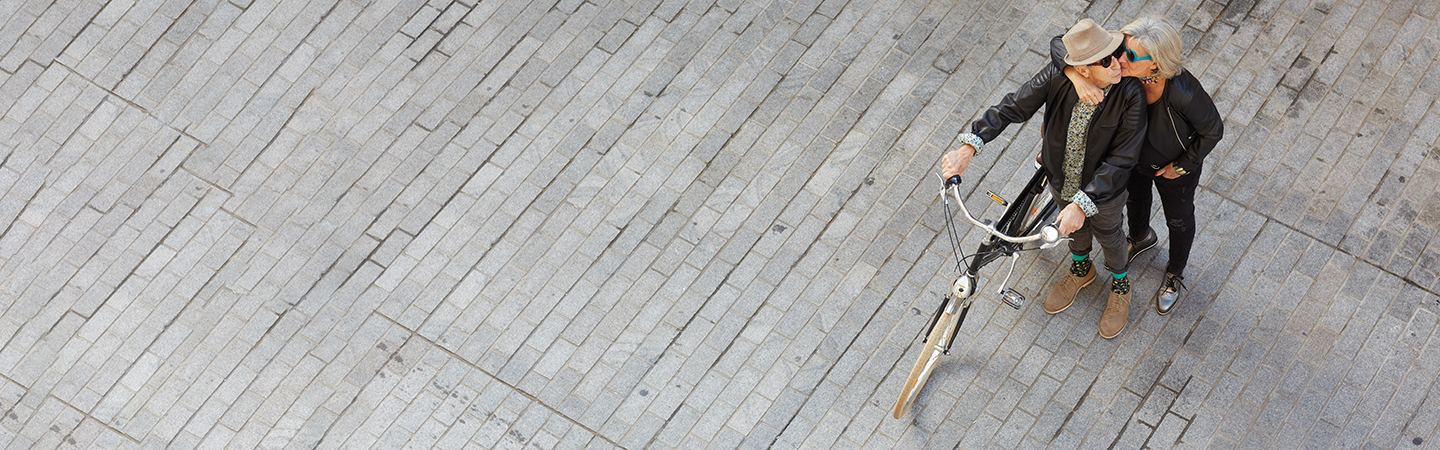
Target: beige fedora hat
{"x": 1086, "y": 43}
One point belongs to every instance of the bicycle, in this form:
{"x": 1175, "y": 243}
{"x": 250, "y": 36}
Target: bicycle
{"x": 1027, "y": 219}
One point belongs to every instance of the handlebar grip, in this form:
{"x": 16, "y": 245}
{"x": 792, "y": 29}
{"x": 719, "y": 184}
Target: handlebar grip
{"x": 952, "y": 181}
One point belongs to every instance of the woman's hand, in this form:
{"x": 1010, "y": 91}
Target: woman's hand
{"x": 1086, "y": 89}
{"x": 1168, "y": 172}
{"x": 1070, "y": 219}
{"x": 955, "y": 161}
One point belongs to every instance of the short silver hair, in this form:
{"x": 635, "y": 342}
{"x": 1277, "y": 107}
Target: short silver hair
{"x": 1162, "y": 41}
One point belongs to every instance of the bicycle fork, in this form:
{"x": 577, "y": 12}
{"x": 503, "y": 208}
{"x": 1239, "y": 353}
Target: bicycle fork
{"x": 959, "y": 297}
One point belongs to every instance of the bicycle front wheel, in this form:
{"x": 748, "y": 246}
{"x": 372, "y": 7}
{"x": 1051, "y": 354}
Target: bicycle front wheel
{"x": 942, "y": 332}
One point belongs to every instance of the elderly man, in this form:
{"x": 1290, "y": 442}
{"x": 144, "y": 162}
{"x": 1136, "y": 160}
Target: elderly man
{"x": 1088, "y": 152}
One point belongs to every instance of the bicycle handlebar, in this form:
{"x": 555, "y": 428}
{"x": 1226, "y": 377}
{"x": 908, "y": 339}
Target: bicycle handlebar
{"x": 1048, "y": 234}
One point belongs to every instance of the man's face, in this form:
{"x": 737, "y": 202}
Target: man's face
{"x": 1103, "y": 75}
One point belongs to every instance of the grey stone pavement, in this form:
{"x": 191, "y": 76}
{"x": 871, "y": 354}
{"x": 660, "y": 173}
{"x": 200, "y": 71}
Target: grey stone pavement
{"x": 665, "y": 223}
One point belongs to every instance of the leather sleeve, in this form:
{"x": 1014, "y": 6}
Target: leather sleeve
{"x": 1193, "y": 105}
{"x": 1113, "y": 173}
{"x": 1058, "y": 52}
{"x": 1018, "y": 106}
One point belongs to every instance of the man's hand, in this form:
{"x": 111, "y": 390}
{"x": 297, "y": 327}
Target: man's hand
{"x": 1084, "y": 88}
{"x": 1070, "y": 219}
{"x": 955, "y": 161}
{"x": 1168, "y": 172}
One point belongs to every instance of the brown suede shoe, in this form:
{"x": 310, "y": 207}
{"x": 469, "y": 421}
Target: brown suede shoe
{"x": 1117, "y": 310}
{"x": 1063, "y": 294}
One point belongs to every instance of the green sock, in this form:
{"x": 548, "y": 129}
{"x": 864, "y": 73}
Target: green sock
{"x": 1079, "y": 257}
{"x": 1119, "y": 275}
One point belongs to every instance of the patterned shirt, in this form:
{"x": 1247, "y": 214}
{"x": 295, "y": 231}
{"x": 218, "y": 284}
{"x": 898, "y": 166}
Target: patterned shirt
{"x": 1074, "y": 166}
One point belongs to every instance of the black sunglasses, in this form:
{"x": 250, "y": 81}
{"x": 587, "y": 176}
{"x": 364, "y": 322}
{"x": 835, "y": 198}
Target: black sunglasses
{"x": 1115, "y": 55}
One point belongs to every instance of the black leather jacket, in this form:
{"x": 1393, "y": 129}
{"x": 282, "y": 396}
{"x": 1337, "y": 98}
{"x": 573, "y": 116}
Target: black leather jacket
{"x": 1112, "y": 142}
{"x": 1184, "y": 125}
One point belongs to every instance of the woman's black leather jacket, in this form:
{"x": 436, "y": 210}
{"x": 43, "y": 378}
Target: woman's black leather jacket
{"x": 1184, "y": 125}
{"x": 1112, "y": 141}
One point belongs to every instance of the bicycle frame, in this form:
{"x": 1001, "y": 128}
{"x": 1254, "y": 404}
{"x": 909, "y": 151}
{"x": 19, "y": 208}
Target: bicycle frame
{"x": 1000, "y": 243}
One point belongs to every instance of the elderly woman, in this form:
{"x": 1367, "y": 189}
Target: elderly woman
{"x": 1184, "y": 126}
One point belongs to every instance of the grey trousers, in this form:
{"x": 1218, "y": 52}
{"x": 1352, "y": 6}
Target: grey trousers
{"x": 1107, "y": 227}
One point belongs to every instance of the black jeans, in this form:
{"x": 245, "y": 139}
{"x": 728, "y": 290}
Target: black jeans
{"x": 1106, "y": 227}
{"x": 1177, "y": 199}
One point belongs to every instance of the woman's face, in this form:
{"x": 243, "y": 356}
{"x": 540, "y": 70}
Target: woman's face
{"x": 1143, "y": 65}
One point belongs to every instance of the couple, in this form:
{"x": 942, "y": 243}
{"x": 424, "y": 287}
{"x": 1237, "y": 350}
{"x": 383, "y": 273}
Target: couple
{"x": 1121, "y": 115}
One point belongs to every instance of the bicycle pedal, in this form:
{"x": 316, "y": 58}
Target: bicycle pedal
{"x": 1013, "y": 298}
